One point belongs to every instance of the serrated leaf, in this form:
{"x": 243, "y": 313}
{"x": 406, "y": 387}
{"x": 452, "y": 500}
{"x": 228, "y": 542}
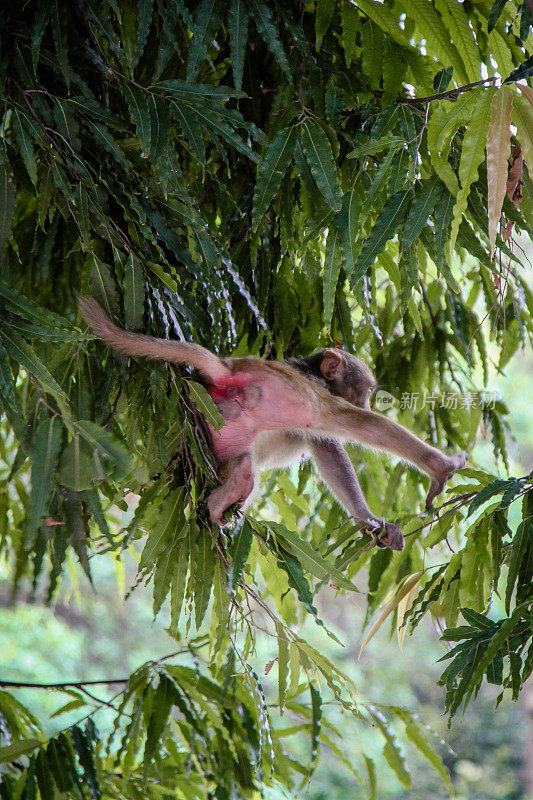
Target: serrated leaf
{"x": 7, "y": 207}
{"x": 262, "y": 17}
{"x": 20, "y": 305}
{"x": 137, "y": 102}
{"x": 421, "y": 209}
{"x": 525, "y": 70}
{"x": 472, "y": 155}
{"x": 204, "y": 560}
{"x": 384, "y": 229}
{"x": 348, "y": 227}
{"x": 77, "y": 466}
{"x": 238, "y": 34}
{"x": 309, "y": 558}
{"x": 240, "y": 550}
{"x": 442, "y": 45}
{"x": 167, "y": 527}
{"x": 498, "y": 147}
{"x": 496, "y": 487}
{"x": 332, "y": 266}
{"x": 23, "y": 354}
{"x": 319, "y": 156}
{"x": 144, "y": 18}
{"x": 44, "y": 457}
{"x": 404, "y": 589}
{"x": 26, "y": 148}
{"x": 23, "y": 747}
{"x": 105, "y": 445}
{"x": 417, "y": 737}
{"x": 521, "y": 541}
{"x": 133, "y": 293}
{"x": 283, "y": 664}
{"x": 203, "y": 33}
{"x": 191, "y": 129}
{"x": 271, "y": 171}
{"x": 205, "y": 405}
{"x": 323, "y": 13}
{"x": 350, "y": 25}
{"x": 59, "y": 31}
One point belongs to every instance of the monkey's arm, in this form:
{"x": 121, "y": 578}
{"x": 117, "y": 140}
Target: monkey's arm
{"x": 374, "y": 430}
{"x": 336, "y": 470}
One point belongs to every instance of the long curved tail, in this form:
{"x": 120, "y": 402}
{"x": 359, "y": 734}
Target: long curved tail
{"x": 137, "y": 344}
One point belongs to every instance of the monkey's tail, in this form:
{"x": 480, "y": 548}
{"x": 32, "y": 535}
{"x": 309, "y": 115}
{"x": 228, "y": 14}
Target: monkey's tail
{"x": 137, "y": 344}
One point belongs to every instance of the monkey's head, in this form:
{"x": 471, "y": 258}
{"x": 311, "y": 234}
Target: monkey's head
{"x": 347, "y": 376}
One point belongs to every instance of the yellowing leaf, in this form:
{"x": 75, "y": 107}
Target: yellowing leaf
{"x": 498, "y": 142}
{"x": 403, "y": 607}
{"x": 472, "y": 154}
{"x": 407, "y": 585}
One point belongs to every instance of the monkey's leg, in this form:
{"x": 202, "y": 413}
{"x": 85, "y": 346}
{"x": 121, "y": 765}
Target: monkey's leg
{"x": 374, "y": 430}
{"x": 237, "y": 484}
{"x": 336, "y": 469}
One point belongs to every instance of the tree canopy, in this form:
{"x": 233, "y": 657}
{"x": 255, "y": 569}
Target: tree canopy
{"x": 263, "y": 178}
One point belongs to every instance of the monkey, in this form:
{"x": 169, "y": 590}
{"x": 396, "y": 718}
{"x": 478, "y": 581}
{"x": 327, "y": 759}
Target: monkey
{"x": 277, "y": 411}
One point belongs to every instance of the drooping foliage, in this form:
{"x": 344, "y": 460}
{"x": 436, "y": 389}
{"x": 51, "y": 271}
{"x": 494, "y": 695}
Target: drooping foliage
{"x": 261, "y": 177}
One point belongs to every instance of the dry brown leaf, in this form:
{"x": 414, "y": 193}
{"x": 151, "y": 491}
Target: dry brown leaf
{"x": 514, "y": 186}
{"x": 498, "y": 144}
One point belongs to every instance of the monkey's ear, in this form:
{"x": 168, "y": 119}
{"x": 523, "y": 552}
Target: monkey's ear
{"x": 331, "y": 365}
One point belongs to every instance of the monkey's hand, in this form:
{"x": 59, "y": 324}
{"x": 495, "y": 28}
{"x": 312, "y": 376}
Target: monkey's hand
{"x": 449, "y": 466}
{"x": 387, "y": 534}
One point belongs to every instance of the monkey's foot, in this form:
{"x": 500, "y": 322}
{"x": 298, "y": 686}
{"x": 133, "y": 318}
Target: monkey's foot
{"x": 438, "y": 483}
{"x": 392, "y": 537}
{"x": 386, "y": 534}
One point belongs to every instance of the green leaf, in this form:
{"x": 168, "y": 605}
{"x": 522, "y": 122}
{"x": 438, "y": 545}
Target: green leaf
{"x": 12, "y": 752}
{"x": 26, "y": 148}
{"x": 271, "y": 171}
{"x": 389, "y": 219}
{"x": 496, "y": 487}
{"x": 204, "y": 559}
{"x": 137, "y": 101}
{"x": 319, "y": 156}
{"x": 417, "y": 737}
{"x": 144, "y": 19}
{"x": 59, "y": 31}
{"x": 207, "y": 23}
{"x": 133, "y": 293}
{"x": 191, "y": 129}
{"x": 240, "y": 550}
{"x": 421, "y": 208}
{"x": 332, "y": 266}
{"x": 309, "y": 558}
{"x": 262, "y": 17}
{"x": 161, "y": 706}
{"x": 7, "y": 207}
{"x": 348, "y": 227}
{"x": 20, "y": 305}
{"x": 525, "y": 70}
{"x": 521, "y": 541}
{"x": 283, "y": 664}
{"x": 106, "y": 446}
{"x": 372, "y": 782}
{"x": 23, "y": 354}
{"x": 323, "y": 13}
{"x": 7, "y": 384}
{"x": 350, "y": 25}
{"x": 205, "y": 405}
{"x": 167, "y": 527}
{"x": 44, "y": 456}
{"x": 238, "y": 34}
{"x": 472, "y": 155}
